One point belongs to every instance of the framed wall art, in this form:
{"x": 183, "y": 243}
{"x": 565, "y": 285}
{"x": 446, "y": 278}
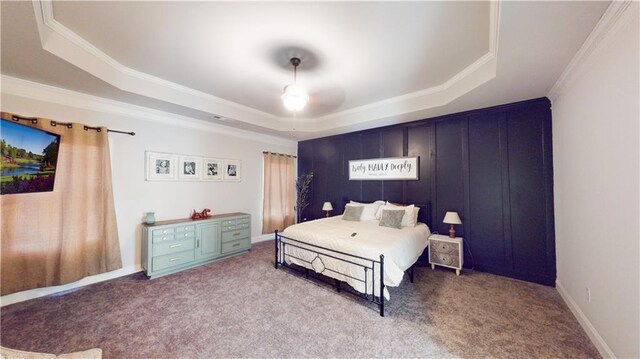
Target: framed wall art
{"x": 161, "y": 166}
{"x": 173, "y": 167}
{"x": 232, "y": 170}
{"x": 398, "y": 168}
{"x": 212, "y": 169}
{"x": 189, "y": 168}
{"x": 29, "y": 158}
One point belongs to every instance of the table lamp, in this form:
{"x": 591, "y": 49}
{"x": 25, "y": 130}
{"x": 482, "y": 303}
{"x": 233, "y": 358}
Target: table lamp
{"x": 452, "y": 218}
{"x": 327, "y": 207}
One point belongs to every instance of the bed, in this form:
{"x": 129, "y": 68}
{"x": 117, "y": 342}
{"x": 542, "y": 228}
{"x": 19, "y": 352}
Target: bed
{"x": 354, "y": 252}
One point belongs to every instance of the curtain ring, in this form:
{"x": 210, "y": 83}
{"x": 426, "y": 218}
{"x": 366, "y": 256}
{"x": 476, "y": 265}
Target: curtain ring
{"x": 53, "y": 123}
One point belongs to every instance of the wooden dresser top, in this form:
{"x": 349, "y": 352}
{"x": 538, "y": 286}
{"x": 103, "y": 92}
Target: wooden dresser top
{"x": 185, "y": 220}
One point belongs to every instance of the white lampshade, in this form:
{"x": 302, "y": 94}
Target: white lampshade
{"x": 294, "y": 97}
{"x": 452, "y": 218}
{"x": 327, "y": 206}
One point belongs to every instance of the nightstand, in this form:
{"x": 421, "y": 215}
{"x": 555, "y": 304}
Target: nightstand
{"x": 446, "y": 251}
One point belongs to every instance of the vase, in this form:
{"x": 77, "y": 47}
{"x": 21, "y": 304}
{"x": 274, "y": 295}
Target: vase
{"x": 151, "y": 218}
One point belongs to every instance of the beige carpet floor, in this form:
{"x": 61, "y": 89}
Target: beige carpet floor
{"x": 242, "y": 307}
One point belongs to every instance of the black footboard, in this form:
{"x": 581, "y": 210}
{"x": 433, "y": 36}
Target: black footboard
{"x": 367, "y": 265}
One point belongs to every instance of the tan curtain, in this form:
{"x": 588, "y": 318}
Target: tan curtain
{"x": 277, "y": 208}
{"x": 53, "y": 238}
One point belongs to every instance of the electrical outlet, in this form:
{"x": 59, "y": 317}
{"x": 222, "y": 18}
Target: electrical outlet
{"x": 588, "y": 295}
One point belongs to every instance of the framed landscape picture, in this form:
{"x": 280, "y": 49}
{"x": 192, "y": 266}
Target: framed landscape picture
{"x": 212, "y": 169}
{"x": 29, "y": 159}
{"x": 189, "y": 168}
{"x": 161, "y": 166}
{"x": 232, "y": 170}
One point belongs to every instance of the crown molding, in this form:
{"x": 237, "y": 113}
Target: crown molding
{"x": 32, "y": 90}
{"x": 474, "y": 75}
{"x": 69, "y": 46}
{"x": 616, "y": 14}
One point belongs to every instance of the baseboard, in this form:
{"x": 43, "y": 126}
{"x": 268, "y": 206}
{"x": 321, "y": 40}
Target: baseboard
{"x": 593, "y": 334}
{"x": 41, "y": 292}
{"x": 262, "y": 238}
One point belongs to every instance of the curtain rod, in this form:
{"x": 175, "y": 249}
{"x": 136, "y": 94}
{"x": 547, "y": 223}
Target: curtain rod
{"x": 279, "y": 154}
{"x": 34, "y": 120}
{"x": 86, "y": 128}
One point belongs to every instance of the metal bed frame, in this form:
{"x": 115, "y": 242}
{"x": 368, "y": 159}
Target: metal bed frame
{"x": 368, "y": 265}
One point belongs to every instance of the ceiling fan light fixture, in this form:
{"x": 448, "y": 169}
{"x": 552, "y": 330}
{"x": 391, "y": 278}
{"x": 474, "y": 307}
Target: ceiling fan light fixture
{"x": 294, "y": 97}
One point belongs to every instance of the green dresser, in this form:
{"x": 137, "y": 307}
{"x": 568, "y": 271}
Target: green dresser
{"x": 175, "y": 245}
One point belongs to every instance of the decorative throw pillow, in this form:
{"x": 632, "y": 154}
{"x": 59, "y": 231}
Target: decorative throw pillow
{"x": 370, "y": 209}
{"x": 352, "y": 213}
{"x": 410, "y": 218}
{"x": 392, "y": 218}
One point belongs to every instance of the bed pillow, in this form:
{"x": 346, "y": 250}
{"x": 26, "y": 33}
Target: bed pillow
{"x": 392, "y": 218}
{"x": 387, "y": 205}
{"x": 352, "y": 213}
{"x": 370, "y": 210}
{"x": 410, "y": 218}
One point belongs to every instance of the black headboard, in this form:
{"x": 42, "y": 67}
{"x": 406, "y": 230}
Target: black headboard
{"x": 424, "y": 215}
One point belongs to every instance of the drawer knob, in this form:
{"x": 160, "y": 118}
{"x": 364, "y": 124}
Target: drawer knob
{"x": 236, "y": 234}
{"x": 164, "y": 231}
{"x": 186, "y": 235}
{"x": 175, "y": 245}
{"x": 163, "y": 238}
{"x": 236, "y": 245}
{"x": 185, "y": 228}
{"x": 174, "y": 259}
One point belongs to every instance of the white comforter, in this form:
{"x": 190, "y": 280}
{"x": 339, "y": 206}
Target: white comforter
{"x": 400, "y": 247}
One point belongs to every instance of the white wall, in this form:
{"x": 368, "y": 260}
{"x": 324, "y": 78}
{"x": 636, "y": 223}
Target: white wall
{"x": 154, "y": 132}
{"x": 596, "y": 165}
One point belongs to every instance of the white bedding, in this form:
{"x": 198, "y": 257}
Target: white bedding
{"x": 400, "y": 247}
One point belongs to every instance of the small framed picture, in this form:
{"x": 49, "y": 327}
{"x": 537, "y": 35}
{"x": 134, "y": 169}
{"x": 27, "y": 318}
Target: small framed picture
{"x": 161, "y": 166}
{"x": 212, "y": 169}
{"x": 232, "y": 170}
{"x": 189, "y": 168}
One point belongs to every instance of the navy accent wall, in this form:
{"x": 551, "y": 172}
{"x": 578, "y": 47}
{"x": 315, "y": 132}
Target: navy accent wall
{"x": 493, "y": 166}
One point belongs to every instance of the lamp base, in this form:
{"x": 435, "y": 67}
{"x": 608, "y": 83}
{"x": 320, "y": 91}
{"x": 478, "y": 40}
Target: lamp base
{"x": 327, "y": 214}
{"x": 452, "y": 232}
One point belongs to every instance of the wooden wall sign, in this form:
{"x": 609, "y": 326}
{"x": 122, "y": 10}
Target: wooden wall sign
{"x": 398, "y": 168}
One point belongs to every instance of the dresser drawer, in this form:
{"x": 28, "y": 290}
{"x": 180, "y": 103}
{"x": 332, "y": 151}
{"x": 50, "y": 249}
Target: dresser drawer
{"x": 172, "y": 260}
{"x": 238, "y": 245}
{"x": 242, "y": 225}
{"x": 169, "y": 235}
{"x": 229, "y": 222}
{"x": 184, "y": 235}
{"x": 233, "y": 235}
{"x": 445, "y": 259}
{"x": 444, "y": 247}
{"x": 161, "y": 231}
{"x": 184, "y": 229}
{"x": 167, "y": 247}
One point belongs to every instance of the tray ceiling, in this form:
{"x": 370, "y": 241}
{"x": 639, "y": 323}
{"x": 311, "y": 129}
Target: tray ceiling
{"x": 363, "y": 63}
